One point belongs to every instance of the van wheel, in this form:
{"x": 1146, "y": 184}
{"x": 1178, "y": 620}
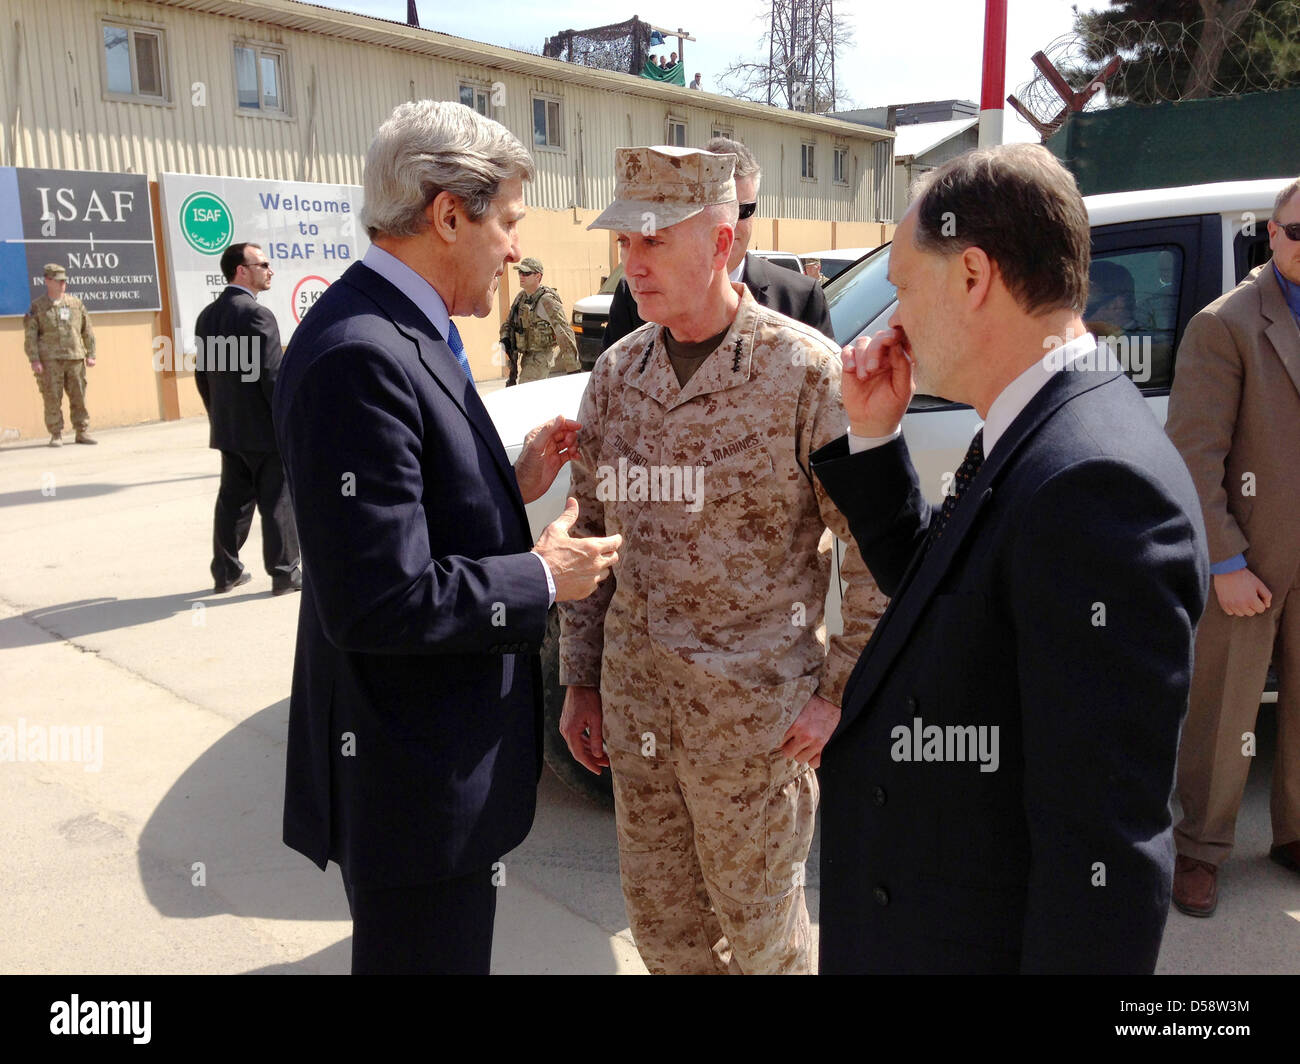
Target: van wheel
{"x": 561, "y": 762}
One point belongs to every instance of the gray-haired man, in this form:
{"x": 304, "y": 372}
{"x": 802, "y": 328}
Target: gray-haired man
{"x": 414, "y": 726}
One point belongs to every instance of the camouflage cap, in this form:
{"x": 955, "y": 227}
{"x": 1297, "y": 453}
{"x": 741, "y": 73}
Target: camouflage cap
{"x": 529, "y": 265}
{"x": 665, "y": 185}
{"x": 56, "y": 272}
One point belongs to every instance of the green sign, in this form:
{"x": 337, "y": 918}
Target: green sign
{"x": 206, "y": 223}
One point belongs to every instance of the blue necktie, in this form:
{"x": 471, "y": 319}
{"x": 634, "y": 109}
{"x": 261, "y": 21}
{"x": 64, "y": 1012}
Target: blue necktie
{"x": 458, "y": 349}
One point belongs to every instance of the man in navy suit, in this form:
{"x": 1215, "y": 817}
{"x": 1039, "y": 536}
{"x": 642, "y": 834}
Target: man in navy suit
{"x": 416, "y": 715}
{"x": 996, "y": 797}
{"x": 239, "y": 358}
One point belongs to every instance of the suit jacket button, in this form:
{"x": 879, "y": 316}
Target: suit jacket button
{"x": 878, "y": 795}
{"x": 911, "y": 704}
{"x": 881, "y": 895}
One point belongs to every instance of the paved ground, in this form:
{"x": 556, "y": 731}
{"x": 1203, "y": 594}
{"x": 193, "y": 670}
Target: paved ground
{"x": 159, "y": 851}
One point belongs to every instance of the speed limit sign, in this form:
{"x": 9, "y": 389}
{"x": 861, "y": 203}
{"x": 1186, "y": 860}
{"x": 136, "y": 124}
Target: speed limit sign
{"x": 305, "y": 293}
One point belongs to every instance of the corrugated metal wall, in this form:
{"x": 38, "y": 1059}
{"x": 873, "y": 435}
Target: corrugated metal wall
{"x": 56, "y": 114}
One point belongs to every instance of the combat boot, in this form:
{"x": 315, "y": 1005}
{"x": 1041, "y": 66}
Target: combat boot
{"x": 85, "y": 437}
{"x": 56, "y": 440}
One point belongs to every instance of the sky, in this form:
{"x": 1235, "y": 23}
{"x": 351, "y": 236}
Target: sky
{"x": 903, "y": 51}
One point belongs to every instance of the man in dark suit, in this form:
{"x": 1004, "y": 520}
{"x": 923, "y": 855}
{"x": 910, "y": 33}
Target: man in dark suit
{"x": 416, "y": 715}
{"x": 783, "y": 290}
{"x": 996, "y": 797}
{"x": 237, "y": 361}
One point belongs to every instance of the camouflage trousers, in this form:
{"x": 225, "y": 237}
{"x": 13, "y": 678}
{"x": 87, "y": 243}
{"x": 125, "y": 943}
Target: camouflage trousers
{"x": 537, "y": 365}
{"x": 712, "y": 861}
{"x": 60, "y": 375}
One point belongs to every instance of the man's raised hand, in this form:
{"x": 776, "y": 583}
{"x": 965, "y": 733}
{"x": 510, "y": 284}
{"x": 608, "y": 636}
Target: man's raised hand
{"x": 577, "y": 565}
{"x": 877, "y": 383}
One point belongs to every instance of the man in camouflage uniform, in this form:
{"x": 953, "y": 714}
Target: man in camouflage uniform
{"x": 60, "y": 344}
{"x": 535, "y": 327}
{"x": 700, "y": 674}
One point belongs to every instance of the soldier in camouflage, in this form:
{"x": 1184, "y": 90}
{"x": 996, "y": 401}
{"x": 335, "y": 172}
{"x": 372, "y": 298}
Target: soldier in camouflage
{"x": 60, "y": 344}
{"x": 701, "y": 674}
{"x": 535, "y": 328}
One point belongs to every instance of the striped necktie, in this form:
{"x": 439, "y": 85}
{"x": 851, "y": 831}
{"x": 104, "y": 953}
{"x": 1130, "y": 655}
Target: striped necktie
{"x": 458, "y": 349}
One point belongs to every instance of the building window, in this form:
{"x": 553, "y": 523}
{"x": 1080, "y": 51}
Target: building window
{"x": 806, "y": 169}
{"x": 677, "y": 132}
{"x": 547, "y": 130}
{"x": 259, "y": 79}
{"x": 476, "y": 98}
{"x": 722, "y": 131}
{"x": 841, "y": 167}
{"x": 135, "y": 62}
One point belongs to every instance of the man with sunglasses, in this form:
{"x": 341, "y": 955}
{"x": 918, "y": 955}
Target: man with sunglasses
{"x": 1234, "y": 415}
{"x": 780, "y": 289}
{"x": 237, "y": 362}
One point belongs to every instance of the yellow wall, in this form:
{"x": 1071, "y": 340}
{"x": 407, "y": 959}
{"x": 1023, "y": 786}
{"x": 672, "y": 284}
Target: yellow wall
{"x": 801, "y": 236}
{"x": 188, "y": 396}
{"x": 121, "y": 388}
{"x": 762, "y": 238}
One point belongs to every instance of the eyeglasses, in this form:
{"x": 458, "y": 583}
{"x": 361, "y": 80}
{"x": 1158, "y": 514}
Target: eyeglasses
{"x": 747, "y": 210}
{"x": 1292, "y": 229}
{"x": 259, "y": 265}
{"x": 527, "y": 273}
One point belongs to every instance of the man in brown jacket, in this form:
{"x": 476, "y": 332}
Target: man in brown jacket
{"x": 1234, "y": 415}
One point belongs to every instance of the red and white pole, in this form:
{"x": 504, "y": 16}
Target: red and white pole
{"x": 993, "y": 90}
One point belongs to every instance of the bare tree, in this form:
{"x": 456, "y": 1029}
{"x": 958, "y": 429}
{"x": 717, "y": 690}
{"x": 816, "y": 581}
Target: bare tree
{"x": 804, "y": 39}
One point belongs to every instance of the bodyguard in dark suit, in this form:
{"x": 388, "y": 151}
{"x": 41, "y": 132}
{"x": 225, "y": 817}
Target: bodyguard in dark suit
{"x": 416, "y": 715}
{"x": 238, "y": 360}
{"x": 793, "y": 294}
{"x": 996, "y": 797}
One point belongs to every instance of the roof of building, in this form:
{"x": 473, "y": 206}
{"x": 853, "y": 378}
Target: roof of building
{"x": 921, "y": 137}
{"x": 328, "y": 21}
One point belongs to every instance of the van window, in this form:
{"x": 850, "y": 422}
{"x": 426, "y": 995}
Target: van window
{"x": 1250, "y": 251}
{"x": 860, "y": 295}
{"x": 1133, "y": 309}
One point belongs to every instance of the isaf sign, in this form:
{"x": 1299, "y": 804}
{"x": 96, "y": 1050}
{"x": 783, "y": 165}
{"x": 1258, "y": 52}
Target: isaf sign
{"x": 308, "y": 232}
{"x": 97, "y": 225}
